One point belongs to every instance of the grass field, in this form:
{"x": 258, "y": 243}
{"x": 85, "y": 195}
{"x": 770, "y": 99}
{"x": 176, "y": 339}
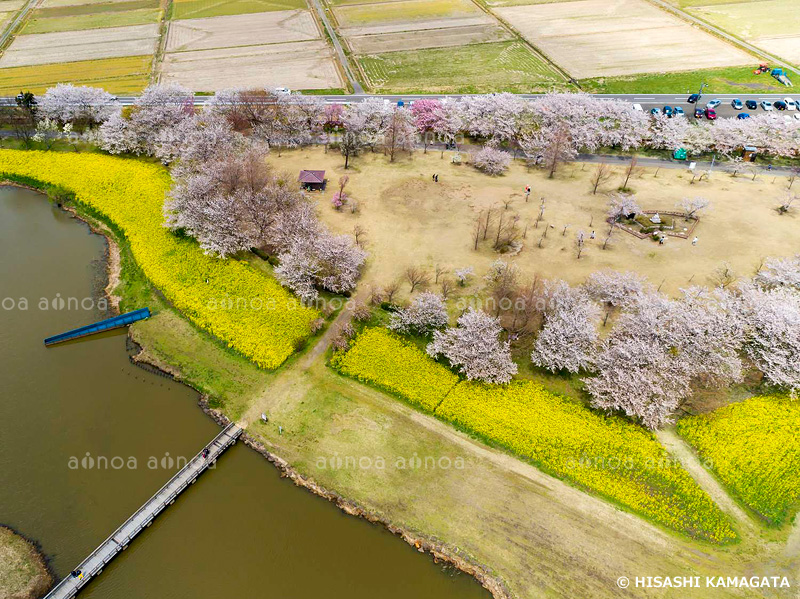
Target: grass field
{"x": 142, "y": 16}
{"x": 407, "y": 10}
{"x": 729, "y": 80}
{"x": 117, "y": 75}
{"x": 754, "y": 449}
{"x": 479, "y": 68}
{"x": 197, "y": 9}
{"x": 22, "y": 569}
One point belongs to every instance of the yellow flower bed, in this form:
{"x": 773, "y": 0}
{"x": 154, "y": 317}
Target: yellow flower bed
{"x": 609, "y": 456}
{"x": 604, "y": 454}
{"x": 247, "y": 310}
{"x": 754, "y": 448}
{"x": 383, "y": 359}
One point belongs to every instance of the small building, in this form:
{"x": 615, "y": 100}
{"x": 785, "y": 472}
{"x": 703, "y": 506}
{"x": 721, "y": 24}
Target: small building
{"x": 655, "y": 219}
{"x": 749, "y": 153}
{"x": 312, "y": 180}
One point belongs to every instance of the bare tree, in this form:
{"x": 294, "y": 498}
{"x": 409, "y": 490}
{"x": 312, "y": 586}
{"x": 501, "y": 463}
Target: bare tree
{"x": 630, "y": 171}
{"x": 580, "y": 242}
{"x": 794, "y": 172}
{"x": 607, "y": 239}
{"x": 446, "y": 287}
{"x": 692, "y": 206}
{"x": 786, "y": 203}
{"x": 376, "y": 295}
{"x": 723, "y": 276}
{"x": 602, "y": 173}
{"x": 399, "y": 133}
{"x": 438, "y": 271}
{"x": 359, "y": 233}
{"x": 391, "y": 290}
{"x": 416, "y": 277}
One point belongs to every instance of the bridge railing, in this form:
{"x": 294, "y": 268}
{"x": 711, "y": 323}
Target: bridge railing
{"x": 222, "y": 441}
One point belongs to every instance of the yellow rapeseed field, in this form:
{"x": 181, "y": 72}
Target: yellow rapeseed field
{"x": 609, "y": 456}
{"x": 244, "y": 308}
{"x": 384, "y": 359}
{"x": 754, "y": 448}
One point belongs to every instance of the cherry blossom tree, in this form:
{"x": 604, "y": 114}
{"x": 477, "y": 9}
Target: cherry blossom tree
{"x": 492, "y": 161}
{"x": 568, "y": 340}
{"x": 692, "y": 206}
{"x": 426, "y": 313}
{"x": 771, "y": 320}
{"x": 780, "y": 272}
{"x": 475, "y": 349}
{"x": 158, "y": 109}
{"x": 615, "y": 290}
{"x": 426, "y": 118}
{"x": 622, "y": 205}
{"x": 399, "y": 133}
{"x": 80, "y": 106}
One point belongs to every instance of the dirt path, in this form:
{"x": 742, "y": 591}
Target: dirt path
{"x": 691, "y": 462}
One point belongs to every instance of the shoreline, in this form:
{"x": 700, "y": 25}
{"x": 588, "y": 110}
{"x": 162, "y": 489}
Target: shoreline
{"x": 144, "y": 359}
{"x": 45, "y": 577}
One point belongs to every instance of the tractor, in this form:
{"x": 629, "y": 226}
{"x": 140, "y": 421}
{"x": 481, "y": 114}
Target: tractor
{"x": 762, "y": 68}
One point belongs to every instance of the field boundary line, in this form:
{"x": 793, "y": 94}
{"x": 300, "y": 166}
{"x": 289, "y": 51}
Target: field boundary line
{"x": 722, "y": 34}
{"x": 163, "y": 37}
{"x": 569, "y": 79}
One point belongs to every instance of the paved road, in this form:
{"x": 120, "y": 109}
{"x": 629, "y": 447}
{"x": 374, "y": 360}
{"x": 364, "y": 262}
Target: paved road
{"x": 12, "y": 26}
{"x": 338, "y": 47}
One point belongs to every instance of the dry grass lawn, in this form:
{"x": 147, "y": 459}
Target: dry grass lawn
{"x": 22, "y": 571}
{"x": 594, "y": 38}
{"x": 44, "y": 48}
{"x": 242, "y": 30}
{"x": 412, "y": 221}
{"x": 298, "y": 65}
{"x": 419, "y": 39}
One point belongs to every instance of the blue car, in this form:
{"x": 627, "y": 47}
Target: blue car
{"x": 737, "y": 104}
{"x": 667, "y": 110}
{"x": 677, "y": 111}
{"x": 742, "y": 116}
{"x": 655, "y": 111}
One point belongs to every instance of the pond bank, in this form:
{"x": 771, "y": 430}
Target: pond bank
{"x": 24, "y": 573}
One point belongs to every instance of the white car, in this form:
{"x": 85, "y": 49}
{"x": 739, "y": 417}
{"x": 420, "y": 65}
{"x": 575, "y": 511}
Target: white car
{"x": 766, "y": 105}
{"x": 282, "y": 90}
{"x": 790, "y": 104}
{"x": 713, "y": 104}
{"x": 638, "y": 108}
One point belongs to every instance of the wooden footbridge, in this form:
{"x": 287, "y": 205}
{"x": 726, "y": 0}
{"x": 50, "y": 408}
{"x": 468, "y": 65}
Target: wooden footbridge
{"x": 143, "y": 517}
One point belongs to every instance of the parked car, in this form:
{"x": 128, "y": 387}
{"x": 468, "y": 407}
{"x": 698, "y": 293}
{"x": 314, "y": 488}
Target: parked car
{"x": 737, "y": 104}
{"x": 743, "y": 115}
{"x": 678, "y": 111}
{"x": 282, "y": 90}
{"x": 713, "y": 103}
{"x": 779, "y": 105}
{"x": 791, "y": 104}
{"x": 711, "y": 115}
{"x": 766, "y": 105}
{"x": 655, "y": 111}
{"x": 638, "y": 108}
{"x": 698, "y": 113}
{"x": 667, "y": 110}
{"x": 751, "y": 104}
{"x": 693, "y": 98}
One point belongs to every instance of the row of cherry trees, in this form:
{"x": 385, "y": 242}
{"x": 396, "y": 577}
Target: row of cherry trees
{"x": 549, "y": 129}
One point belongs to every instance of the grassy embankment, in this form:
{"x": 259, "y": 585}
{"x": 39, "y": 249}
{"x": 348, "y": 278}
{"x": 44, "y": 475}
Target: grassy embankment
{"x": 720, "y": 81}
{"x": 23, "y": 574}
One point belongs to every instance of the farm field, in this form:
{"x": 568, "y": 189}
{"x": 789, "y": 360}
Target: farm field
{"x": 241, "y": 30}
{"x": 298, "y": 65}
{"x": 730, "y": 80}
{"x": 42, "y": 23}
{"x": 755, "y": 452}
{"x": 197, "y": 9}
{"x": 404, "y": 11}
{"x": 116, "y": 75}
{"x": 230, "y": 51}
{"x": 411, "y": 220}
{"x": 421, "y": 39}
{"x": 593, "y": 38}
{"x": 508, "y": 66}
{"x": 773, "y": 25}
{"x": 8, "y": 8}
{"x": 114, "y": 42}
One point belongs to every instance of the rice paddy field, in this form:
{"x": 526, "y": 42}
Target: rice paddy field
{"x": 476, "y": 68}
{"x": 117, "y": 75}
{"x": 594, "y": 38}
{"x": 92, "y": 16}
{"x": 772, "y": 25}
{"x": 199, "y": 9}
